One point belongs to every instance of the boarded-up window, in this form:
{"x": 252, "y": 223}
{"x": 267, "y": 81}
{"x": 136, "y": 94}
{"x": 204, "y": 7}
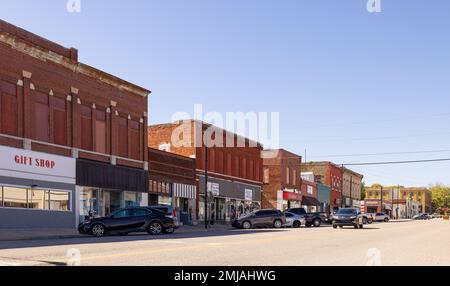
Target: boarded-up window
{"x": 59, "y": 121}
{"x": 86, "y": 128}
{"x": 211, "y": 159}
{"x": 251, "y": 170}
{"x": 123, "y": 137}
{"x": 229, "y": 164}
{"x": 244, "y": 168}
{"x": 41, "y": 116}
{"x": 236, "y": 166}
{"x": 100, "y": 131}
{"x": 8, "y": 108}
{"x": 220, "y": 162}
{"x": 134, "y": 140}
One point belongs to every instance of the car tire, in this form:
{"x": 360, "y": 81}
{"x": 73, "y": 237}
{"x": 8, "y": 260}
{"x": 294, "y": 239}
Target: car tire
{"x": 98, "y": 230}
{"x": 155, "y": 228}
{"x": 386, "y": 220}
{"x": 169, "y": 230}
{"x": 246, "y": 225}
{"x": 296, "y": 224}
{"x": 361, "y": 226}
{"x": 277, "y": 224}
{"x": 334, "y": 226}
{"x": 365, "y": 221}
{"x": 317, "y": 222}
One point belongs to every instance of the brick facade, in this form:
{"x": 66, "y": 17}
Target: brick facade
{"x": 65, "y": 107}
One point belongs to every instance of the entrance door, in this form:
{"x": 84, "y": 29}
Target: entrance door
{"x": 112, "y": 202}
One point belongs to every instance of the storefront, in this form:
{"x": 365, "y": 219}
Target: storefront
{"x": 228, "y": 200}
{"x": 311, "y": 204}
{"x": 37, "y": 190}
{"x": 289, "y": 198}
{"x": 104, "y": 188}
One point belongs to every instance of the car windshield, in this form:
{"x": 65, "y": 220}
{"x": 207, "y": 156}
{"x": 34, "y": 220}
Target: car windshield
{"x": 346, "y": 211}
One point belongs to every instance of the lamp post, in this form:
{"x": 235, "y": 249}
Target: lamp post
{"x": 206, "y": 179}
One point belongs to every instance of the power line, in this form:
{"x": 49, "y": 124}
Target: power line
{"x": 386, "y": 153}
{"x": 372, "y": 139}
{"x": 370, "y": 121}
{"x": 397, "y": 162}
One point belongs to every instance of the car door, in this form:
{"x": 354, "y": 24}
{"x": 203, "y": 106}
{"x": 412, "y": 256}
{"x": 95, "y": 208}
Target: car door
{"x": 121, "y": 220}
{"x": 259, "y": 219}
{"x": 140, "y": 218}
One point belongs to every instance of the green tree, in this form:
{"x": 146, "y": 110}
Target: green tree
{"x": 363, "y": 190}
{"x": 440, "y": 197}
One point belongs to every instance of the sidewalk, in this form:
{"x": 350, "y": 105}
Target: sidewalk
{"x": 65, "y": 233}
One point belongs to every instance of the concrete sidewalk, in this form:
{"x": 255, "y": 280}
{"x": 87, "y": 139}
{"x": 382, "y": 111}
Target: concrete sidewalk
{"x": 65, "y": 233}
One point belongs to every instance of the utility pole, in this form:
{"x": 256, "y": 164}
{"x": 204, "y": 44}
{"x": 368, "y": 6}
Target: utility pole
{"x": 206, "y": 179}
{"x": 342, "y": 186}
{"x": 381, "y": 200}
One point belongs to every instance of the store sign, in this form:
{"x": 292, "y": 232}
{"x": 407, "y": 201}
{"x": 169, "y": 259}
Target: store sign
{"x": 248, "y": 195}
{"x": 362, "y": 206}
{"x": 214, "y": 188}
{"x": 288, "y": 196}
{"x": 25, "y": 164}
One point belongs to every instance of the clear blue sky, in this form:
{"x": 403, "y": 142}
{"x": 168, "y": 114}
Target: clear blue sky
{"x": 332, "y": 70}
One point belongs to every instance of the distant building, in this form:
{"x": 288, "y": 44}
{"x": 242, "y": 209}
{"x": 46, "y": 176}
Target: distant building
{"x": 398, "y": 202}
{"x": 351, "y": 188}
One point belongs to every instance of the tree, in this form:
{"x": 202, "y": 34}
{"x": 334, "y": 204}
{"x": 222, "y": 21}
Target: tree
{"x": 363, "y": 191}
{"x": 440, "y": 197}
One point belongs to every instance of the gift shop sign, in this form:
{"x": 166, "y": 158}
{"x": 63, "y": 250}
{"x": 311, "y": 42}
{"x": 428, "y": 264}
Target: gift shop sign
{"x": 25, "y": 164}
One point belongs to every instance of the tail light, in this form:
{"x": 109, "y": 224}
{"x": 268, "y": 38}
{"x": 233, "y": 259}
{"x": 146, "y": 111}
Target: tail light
{"x": 174, "y": 214}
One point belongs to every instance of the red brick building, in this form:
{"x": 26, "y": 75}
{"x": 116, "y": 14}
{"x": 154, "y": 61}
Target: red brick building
{"x": 173, "y": 181}
{"x": 331, "y": 175}
{"x": 234, "y": 168}
{"x": 89, "y": 125}
{"x": 282, "y": 180}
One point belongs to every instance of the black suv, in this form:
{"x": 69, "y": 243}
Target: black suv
{"x": 262, "y": 218}
{"x": 348, "y": 217}
{"x": 124, "y": 221}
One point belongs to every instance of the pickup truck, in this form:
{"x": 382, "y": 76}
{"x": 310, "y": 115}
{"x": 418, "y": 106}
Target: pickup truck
{"x": 312, "y": 219}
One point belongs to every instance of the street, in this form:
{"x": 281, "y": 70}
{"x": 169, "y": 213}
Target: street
{"x": 393, "y": 243}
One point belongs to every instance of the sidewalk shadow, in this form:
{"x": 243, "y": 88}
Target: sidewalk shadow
{"x": 131, "y": 237}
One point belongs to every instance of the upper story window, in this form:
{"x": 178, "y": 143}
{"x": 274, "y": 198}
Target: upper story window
{"x": 41, "y": 116}
{"x": 8, "y": 108}
{"x": 266, "y": 175}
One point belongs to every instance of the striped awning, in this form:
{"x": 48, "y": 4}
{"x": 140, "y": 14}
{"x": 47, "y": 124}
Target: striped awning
{"x": 184, "y": 191}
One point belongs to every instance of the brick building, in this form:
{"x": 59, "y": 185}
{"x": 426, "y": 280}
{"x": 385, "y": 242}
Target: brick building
{"x": 172, "y": 181}
{"x": 309, "y": 192}
{"x": 282, "y": 180}
{"x": 352, "y": 188}
{"x": 234, "y": 168}
{"x": 73, "y": 139}
{"x": 331, "y": 175}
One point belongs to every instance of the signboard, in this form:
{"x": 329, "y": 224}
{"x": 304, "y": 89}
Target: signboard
{"x": 280, "y": 200}
{"x": 248, "y": 195}
{"x": 362, "y": 206}
{"x": 26, "y": 164}
{"x": 288, "y": 196}
{"x": 214, "y": 188}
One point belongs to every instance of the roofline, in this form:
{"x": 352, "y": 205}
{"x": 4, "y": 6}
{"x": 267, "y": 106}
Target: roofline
{"x": 43, "y": 49}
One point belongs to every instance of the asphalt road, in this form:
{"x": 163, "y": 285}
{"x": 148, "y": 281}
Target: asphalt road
{"x": 393, "y": 243}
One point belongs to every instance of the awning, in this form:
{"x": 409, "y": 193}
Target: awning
{"x": 184, "y": 191}
{"x": 310, "y": 201}
{"x": 288, "y": 196}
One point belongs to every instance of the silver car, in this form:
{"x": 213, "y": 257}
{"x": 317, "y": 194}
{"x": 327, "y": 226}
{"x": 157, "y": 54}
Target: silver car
{"x": 294, "y": 220}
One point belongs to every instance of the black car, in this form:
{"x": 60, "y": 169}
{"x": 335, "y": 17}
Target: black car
{"x": 312, "y": 219}
{"x": 124, "y": 221}
{"x": 348, "y": 217}
{"x": 261, "y": 218}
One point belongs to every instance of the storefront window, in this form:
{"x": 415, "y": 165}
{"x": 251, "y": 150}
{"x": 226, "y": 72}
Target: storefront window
{"x": 132, "y": 199}
{"x": 59, "y": 201}
{"x": 38, "y": 199}
{"x": 11, "y": 197}
{"x": 14, "y": 197}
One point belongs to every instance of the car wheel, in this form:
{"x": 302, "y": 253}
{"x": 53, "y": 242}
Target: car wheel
{"x": 386, "y": 220}
{"x": 169, "y": 230}
{"x": 317, "y": 222}
{"x": 334, "y": 226}
{"x": 361, "y": 226}
{"x": 277, "y": 224}
{"x": 155, "y": 228}
{"x": 370, "y": 221}
{"x": 365, "y": 221}
{"x": 246, "y": 225}
{"x": 98, "y": 230}
{"x": 296, "y": 224}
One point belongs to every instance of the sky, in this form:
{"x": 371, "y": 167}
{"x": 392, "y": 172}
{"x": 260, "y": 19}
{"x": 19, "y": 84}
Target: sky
{"x": 344, "y": 81}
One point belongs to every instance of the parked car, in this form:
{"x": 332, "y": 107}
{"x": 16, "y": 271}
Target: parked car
{"x": 261, "y": 218}
{"x": 169, "y": 211}
{"x": 124, "y": 221}
{"x": 422, "y": 217}
{"x": 381, "y": 217}
{"x": 294, "y": 220}
{"x": 348, "y": 217}
{"x": 368, "y": 218}
{"x": 312, "y": 219}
